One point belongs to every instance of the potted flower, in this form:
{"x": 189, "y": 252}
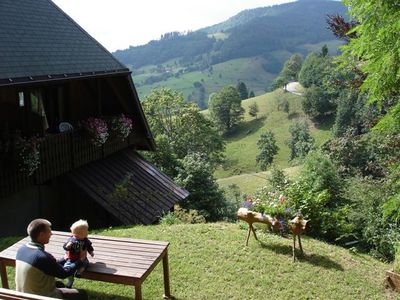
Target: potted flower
{"x": 28, "y": 154}
{"x": 278, "y": 207}
{"x": 122, "y": 126}
{"x": 97, "y": 130}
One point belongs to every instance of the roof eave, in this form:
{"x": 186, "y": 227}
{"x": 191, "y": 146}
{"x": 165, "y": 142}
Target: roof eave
{"x": 60, "y": 77}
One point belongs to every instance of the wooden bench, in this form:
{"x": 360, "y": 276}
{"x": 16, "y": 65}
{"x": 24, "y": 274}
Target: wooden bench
{"x": 6, "y": 294}
{"x": 117, "y": 260}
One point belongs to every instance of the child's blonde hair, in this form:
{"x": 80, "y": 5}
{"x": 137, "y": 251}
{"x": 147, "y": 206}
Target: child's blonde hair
{"x": 80, "y": 225}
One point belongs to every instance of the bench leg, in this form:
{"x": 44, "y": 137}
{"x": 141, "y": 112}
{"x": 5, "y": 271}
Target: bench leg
{"x": 167, "y": 291}
{"x": 3, "y": 273}
{"x": 138, "y": 291}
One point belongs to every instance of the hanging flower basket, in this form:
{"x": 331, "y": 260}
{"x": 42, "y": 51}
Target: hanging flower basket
{"x": 122, "y": 126}
{"x": 97, "y": 130}
{"x": 28, "y": 154}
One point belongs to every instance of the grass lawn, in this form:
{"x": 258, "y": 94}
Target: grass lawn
{"x": 210, "y": 261}
{"x": 249, "y": 183}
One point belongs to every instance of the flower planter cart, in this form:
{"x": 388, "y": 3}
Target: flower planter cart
{"x": 297, "y": 225}
{"x": 392, "y": 280}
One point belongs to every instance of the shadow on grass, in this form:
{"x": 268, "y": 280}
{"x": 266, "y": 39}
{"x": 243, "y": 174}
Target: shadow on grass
{"x": 100, "y": 296}
{"x": 246, "y": 128}
{"x": 314, "y": 259}
{"x": 325, "y": 124}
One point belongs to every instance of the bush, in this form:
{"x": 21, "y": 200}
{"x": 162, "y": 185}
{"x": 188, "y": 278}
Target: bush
{"x": 233, "y": 196}
{"x": 373, "y": 232}
{"x": 179, "y": 216}
{"x": 317, "y": 195}
{"x": 278, "y": 179}
{"x": 396, "y": 264}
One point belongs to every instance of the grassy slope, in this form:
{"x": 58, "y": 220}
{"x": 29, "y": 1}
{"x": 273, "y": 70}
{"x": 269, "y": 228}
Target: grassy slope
{"x": 241, "y": 148}
{"x": 250, "y": 182}
{"x": 210, "y": 261}
{"x": 248, "y": 69}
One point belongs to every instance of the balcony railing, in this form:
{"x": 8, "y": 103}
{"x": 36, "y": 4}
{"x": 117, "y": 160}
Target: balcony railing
{"x": 59, "y": 153}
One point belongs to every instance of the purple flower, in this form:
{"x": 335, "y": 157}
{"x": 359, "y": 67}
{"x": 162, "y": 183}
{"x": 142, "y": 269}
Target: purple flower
{"x": 97, "y": 130}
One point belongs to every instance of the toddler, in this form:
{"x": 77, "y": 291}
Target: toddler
{"x": 77, "y": 246}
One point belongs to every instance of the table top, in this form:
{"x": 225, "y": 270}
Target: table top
{"x": 117, "y": 260}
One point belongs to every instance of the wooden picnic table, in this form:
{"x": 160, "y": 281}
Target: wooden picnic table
{"x": 116, "y": 260}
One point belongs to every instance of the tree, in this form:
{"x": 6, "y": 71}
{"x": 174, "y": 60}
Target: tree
{"x": 225, "y": 109}
{"x": 300, "y": 141}
{"x": 196, "y": 175}
{"x": 315, "y": 70}
{"x": 268, "y": 149}
{"x": 179, "y": 129}
{"x": 242, "y": 89}
{"x": 376, "y": 44}
{"x": 324, "y": 50}
{"x": 317, "y": 103}
{"x": 289, "y": 72}
{"x": 251, "y": 94}
{"x": 253, "y": 109}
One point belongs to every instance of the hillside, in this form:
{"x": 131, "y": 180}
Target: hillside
{"x": 213, "y": 257}
{"x": 267, "y": 36}
{"x": 241, "y": 149}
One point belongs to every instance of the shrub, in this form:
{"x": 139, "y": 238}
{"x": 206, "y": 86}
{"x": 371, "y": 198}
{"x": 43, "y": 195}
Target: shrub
{"x": 180, "y": 215}
{"x": 317, "y": 195}
{"x": 233, "y": 196}
{"x": 396, "y": 264}
{"x": 278, "y": 179}
{"x": 169, "y": 218}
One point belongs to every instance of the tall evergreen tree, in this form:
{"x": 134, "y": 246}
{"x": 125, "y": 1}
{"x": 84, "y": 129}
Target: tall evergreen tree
{"x": 242, "y": 89}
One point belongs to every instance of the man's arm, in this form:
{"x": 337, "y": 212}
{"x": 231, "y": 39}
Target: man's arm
{"x": 50, "y": 266}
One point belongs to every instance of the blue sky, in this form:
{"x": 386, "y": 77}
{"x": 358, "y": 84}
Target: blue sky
{"x": 117, "y": 24}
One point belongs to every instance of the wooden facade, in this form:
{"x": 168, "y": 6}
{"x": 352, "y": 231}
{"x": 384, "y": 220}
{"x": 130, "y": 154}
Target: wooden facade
{"x": 70, "y": 102}
{"x": 53, "y": 74}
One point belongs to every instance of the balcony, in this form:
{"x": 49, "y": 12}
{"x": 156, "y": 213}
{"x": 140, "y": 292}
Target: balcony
{"x": 59, "y": 153}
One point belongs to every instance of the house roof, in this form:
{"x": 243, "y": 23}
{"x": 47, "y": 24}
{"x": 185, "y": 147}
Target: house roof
{"x": 38, "y": 40}
{"x": 128, "y": 187}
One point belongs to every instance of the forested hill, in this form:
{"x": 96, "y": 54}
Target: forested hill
{"x": 251, "y": 32}
{"x": 261, "y": 39}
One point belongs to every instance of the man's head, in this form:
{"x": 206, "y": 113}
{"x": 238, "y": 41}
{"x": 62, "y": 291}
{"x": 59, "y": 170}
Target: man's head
{"x": 80, "y": 229}
{"x": 40, "y": 231}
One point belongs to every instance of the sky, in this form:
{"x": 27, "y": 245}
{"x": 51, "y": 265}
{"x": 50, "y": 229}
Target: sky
{"x": 118, "y": 24}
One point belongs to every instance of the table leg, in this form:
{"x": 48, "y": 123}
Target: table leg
{"x": 167, "y": 291}
{"x": 138, "y": 291}
{"x": 3, "y": 273}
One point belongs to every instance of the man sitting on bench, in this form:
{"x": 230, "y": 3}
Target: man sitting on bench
{"x": 36, "y": 269}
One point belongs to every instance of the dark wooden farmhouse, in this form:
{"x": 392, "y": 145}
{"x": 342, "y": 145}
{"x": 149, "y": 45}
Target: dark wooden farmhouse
{"x": 67, "y": 144}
